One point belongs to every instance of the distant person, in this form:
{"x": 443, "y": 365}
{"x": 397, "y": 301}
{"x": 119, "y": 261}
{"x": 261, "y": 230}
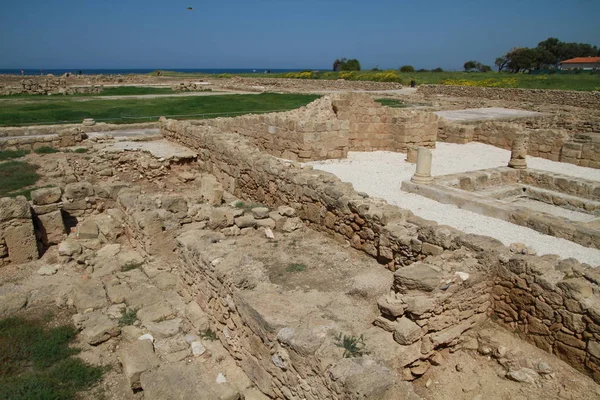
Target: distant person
{"x": 22, "y": 72}
{"x": 413, "y": 83}
{"x": 41, "y": 72}
{"x": 80, "y": 73}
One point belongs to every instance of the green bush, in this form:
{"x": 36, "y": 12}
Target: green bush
{"x": 16, "y": 175}
{"x": 10, "y": 154}
{"x": 45, "y": 150}
{"x": 407, "y": 68}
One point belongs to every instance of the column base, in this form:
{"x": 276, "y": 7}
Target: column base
{"x": 422, "y": 179}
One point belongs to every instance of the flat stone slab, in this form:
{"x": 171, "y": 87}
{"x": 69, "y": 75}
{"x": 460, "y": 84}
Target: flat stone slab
{"x": 158, "y": 148}
{"x": 127, "y": 133}
{"x": 482, "y": 114}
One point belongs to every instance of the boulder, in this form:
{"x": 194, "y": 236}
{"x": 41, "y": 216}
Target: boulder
{"x": 78, "y": 191}
{"x": 69, "y": 248}
{"x": 88, "y": 229}
{"x": 46, "y": 196}
{"x": 418, "y": 276}
{"x": 138, "y": 357}
{"x": 407, "y": 332}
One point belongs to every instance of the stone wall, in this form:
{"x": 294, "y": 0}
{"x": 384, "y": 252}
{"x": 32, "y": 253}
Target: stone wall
{"x": 375, "y": 127}
{"x": 48, "y": 85}
{"x": 553, "y": 144}
{"x": 395, "y": 237}
{"x": 536, "y": 96}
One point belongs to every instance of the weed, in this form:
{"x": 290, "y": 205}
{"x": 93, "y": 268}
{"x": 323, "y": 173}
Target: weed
{"x": 130, "y": 266}
{"x": 129, "y": 317}
{"x": 354, "y": 346}
{"x": 247, "y": 206}
{"x": 10, "y": 154}
{"x": 208, "y": 334}
{"x": 45, "y": 150}
{"x": 296, "y": 267}
{"x": 36, "y": 362}
{"x": 16, "y": 175}
{"x": 80, "y": 150}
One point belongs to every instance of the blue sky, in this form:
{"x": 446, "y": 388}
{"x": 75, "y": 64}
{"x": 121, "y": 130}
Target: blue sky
{"x": 281, "y": 33}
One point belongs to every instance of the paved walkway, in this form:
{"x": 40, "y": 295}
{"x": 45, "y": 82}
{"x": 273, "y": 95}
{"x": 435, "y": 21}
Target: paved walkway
{"x": 481, "y": 114}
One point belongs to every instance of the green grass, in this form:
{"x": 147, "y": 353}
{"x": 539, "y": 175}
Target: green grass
{"x": 36, "y": 362}
{"x": 296, "y": 267}
{"x": 354, "y": 346}
{"x": 392, "y": 103}
{"x": 108, "y": 91}
{"x": 10, "y": 154}
{"x": 129, "y": 317}
{"x": 46, "y": 150}
{"x": 130, "y": 266}
{"x": 208, "y": 334}
{"x": 80, "y": 150}
{"x": 583, "y": 81}
{"x": 129, "y": 111}
{"x": 15, "y": 176}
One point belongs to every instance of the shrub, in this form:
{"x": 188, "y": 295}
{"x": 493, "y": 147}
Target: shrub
{"x": 16, "y": 175}
{"x": 208, "y": 334}
{"x": 130, "y": 266}
{"x": 354, "y": 346}
{"x": 45, "y": 150}
{"x": 438, "y": 69}
{"x": 80, "y": 150}
{"x": 226, "y": 76}
{"x": 129, "y": 317}
{"x": 10, "y": 154}
{"x": 296, "y": 267}
{"x": 407, "y": 68}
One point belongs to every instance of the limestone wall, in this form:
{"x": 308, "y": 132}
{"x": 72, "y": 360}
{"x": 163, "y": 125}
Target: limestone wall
{"x": 375, "y": 127}
{"x": 553, "y": 144}
{"x": 48, "y": 85}
{"x": 395, "y": 237}
{"x": 537, "y": 96}
{"x": 18, "y": 242}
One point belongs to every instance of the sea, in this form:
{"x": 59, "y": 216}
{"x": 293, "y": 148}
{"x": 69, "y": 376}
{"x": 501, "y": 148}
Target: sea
{"x": 84, "y": 71}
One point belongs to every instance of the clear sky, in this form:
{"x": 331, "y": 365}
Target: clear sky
{"x": 281, "y": 33}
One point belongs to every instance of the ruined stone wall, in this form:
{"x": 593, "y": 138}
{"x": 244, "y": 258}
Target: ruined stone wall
{"x": 536, "y": 96}
{"x": 554, "y": 305}
{"x": 552, "y": 144}
{"x": 33, "y": 130}
{"x": 395, "y": 237}
{"x": 375, "y": 127}
{"x": 48, "y": 85}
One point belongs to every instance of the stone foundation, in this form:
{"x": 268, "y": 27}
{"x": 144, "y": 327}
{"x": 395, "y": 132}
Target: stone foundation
{"x": 47, "y": 86}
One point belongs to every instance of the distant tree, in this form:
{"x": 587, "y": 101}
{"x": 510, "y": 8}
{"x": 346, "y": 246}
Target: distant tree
{"x": 522, "y": 59}
{"x": 351, "y": 65}
{"x": 407, "y": 68}
{"x": 337, "y": 64}
{"x": 501, "y": 62}
{"x": 422, "y": 70}
{"x": 438, "y": 69}
{"x": 483, "y": 67}
{"x": 470, "y": 65}
{"x": 376, "y": 68}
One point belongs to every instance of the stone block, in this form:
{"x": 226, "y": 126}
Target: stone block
{"x": 406, "y": 331}
{"x": 138, "y": 357}
{"x": 52, "y": 227}
{"x": 46, "y": 196}
{"x": 21, "y": 243}
{"x": 78, "y": 191}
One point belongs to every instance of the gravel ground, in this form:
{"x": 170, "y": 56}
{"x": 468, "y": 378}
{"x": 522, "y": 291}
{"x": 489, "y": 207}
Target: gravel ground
{"x": 380, "y": 174}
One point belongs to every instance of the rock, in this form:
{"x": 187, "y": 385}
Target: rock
{"x": 146, "y": 336}
{"x": 463, "y": 276}
{"x": 286, "y": 211}
{"x": 220, "y": 218}
{"x": 47, "y": 270}
{"x": 266, "y": 223}
{"x": 136, "y": 358}
{"x": 417, "y": 276}
{"x": 52, "y": 227}
{"x": 245, "y": 221}
{"x": 407, "y": 332}
{"x": 14, "y": 209}
{"x": 211, "y": 191}
{"x": 164, "y": 329}
{"x": 89, "y": 295}
{"x": 88, "y": 229}
{"x": 543, "y": 368}
{"x": 269, "y": 233}
{"x": 182, "y": 381}
{"x": 106, "y": 172}
{"x": 221, "y": 378}
{"x": 78, "y": 191}
{"x": 186, "y": 176}
{"x": 361, "y": 378}
{"x": 69, "y": 248}
{"x": 385, "y": 324}
{"x": 116, "y": 310}
{"x": 391, "y": 307}
{"x": 130, "y": 333}
{"x": 419, "y": 305}
{"x": 292, "y": 224}
{"x": 524, "y": 375}
{"x": 46, "y": 196}
{"x": 260, "y": 212}
{"x": 10, "y": 303}
{"x": 177, "y": 205}
{"x": 21, "y": 243}
{"x": 99, "y": 328}
{"x": 196, "y": 316}
{"x": 155, "y": 312}
{"x": 198, "y": 348}
{"x": 420, "y": 368}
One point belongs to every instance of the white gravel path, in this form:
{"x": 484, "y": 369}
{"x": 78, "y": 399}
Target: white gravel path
{"x": 380, "y": 174}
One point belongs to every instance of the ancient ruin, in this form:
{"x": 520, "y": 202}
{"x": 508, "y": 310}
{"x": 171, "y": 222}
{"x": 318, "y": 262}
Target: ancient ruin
{"x": 249, "y": 272}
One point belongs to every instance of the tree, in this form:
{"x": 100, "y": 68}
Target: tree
{"x": 351, "y": 65}
{"x": 407, "y": 68}
{"x": 483, "y": 67}
{"x": 469, "y": 65}
{"x": 501, "y": 62}
{"x": 521, "y": 59}
{"x": 438, "y": 69}
{"x": 337, "y": 64}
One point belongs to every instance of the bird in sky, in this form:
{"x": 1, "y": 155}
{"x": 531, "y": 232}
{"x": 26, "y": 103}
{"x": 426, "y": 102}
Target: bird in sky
{"x": 190, "y": 8}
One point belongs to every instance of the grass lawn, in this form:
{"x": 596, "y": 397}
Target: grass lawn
{"x": 15, "y": 176}
{"x": 142, "y": 110}
{"x": 36, "y": 362}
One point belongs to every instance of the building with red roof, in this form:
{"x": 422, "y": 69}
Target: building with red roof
{"x": 587, "y": 63}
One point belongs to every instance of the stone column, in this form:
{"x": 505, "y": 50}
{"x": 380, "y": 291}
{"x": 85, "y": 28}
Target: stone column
{"x": 411, "y": 154}
{"x": 518, "y": 155}
{"x": 423, "y": 172}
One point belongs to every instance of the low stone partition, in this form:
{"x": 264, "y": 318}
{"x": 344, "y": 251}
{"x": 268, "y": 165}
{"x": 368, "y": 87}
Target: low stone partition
{"x": 397, "y": 239}
{"x": 553, "y": 144}
{"x": 48, "y": 85}
{"x": 537, "y": 96}
{"x": 36, "y": 130}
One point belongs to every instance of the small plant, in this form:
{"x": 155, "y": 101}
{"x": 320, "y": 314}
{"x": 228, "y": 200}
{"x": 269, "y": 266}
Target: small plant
{"x": 45, "y": 150}
{"x": 247, "y": 206}
{"x": 296, "y": 267}
{"x": 80, "y": 150}
{"x": 129, "y": 317}
{"x": 354, "y": 346}
{"x": 10, "y": 154}
{"x": 208, "y": 334}
{"x": 130, "y": 266}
